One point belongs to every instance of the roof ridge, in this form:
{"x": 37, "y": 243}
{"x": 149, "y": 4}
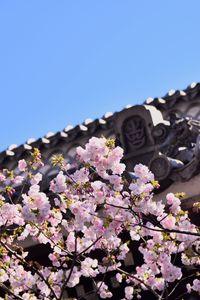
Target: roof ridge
{"x": 161, "y": 103}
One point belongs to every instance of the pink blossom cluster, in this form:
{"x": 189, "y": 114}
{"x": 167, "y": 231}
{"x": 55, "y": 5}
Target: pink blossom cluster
{"x": 88, "y": 212}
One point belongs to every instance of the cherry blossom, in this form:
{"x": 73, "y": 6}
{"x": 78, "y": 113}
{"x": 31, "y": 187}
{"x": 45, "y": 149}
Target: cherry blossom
{"x": 90, "y": 220}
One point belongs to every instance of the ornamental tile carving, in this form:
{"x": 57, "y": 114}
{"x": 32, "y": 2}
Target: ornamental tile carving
{"x": 134, "y": 133}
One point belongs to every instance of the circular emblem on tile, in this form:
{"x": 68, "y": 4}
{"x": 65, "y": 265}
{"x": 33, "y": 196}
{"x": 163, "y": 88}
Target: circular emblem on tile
{"x": 160, "y": 167}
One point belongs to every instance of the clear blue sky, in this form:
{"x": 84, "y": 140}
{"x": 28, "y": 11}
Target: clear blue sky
{"x": 64, "y": 61}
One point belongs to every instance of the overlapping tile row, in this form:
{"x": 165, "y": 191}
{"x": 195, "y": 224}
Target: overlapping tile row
{"x": 180, "y": 101}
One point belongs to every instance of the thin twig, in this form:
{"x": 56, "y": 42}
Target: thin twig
{"x": 7, "y": 290}
{"x": 140, "y": 281}
{"x": 27, "y": 265}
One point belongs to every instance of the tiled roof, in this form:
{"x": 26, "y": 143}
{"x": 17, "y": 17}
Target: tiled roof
{"x": 68, "y": 134}
{"x": 174, "y": 96}
{"x": 89, "y": 126}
